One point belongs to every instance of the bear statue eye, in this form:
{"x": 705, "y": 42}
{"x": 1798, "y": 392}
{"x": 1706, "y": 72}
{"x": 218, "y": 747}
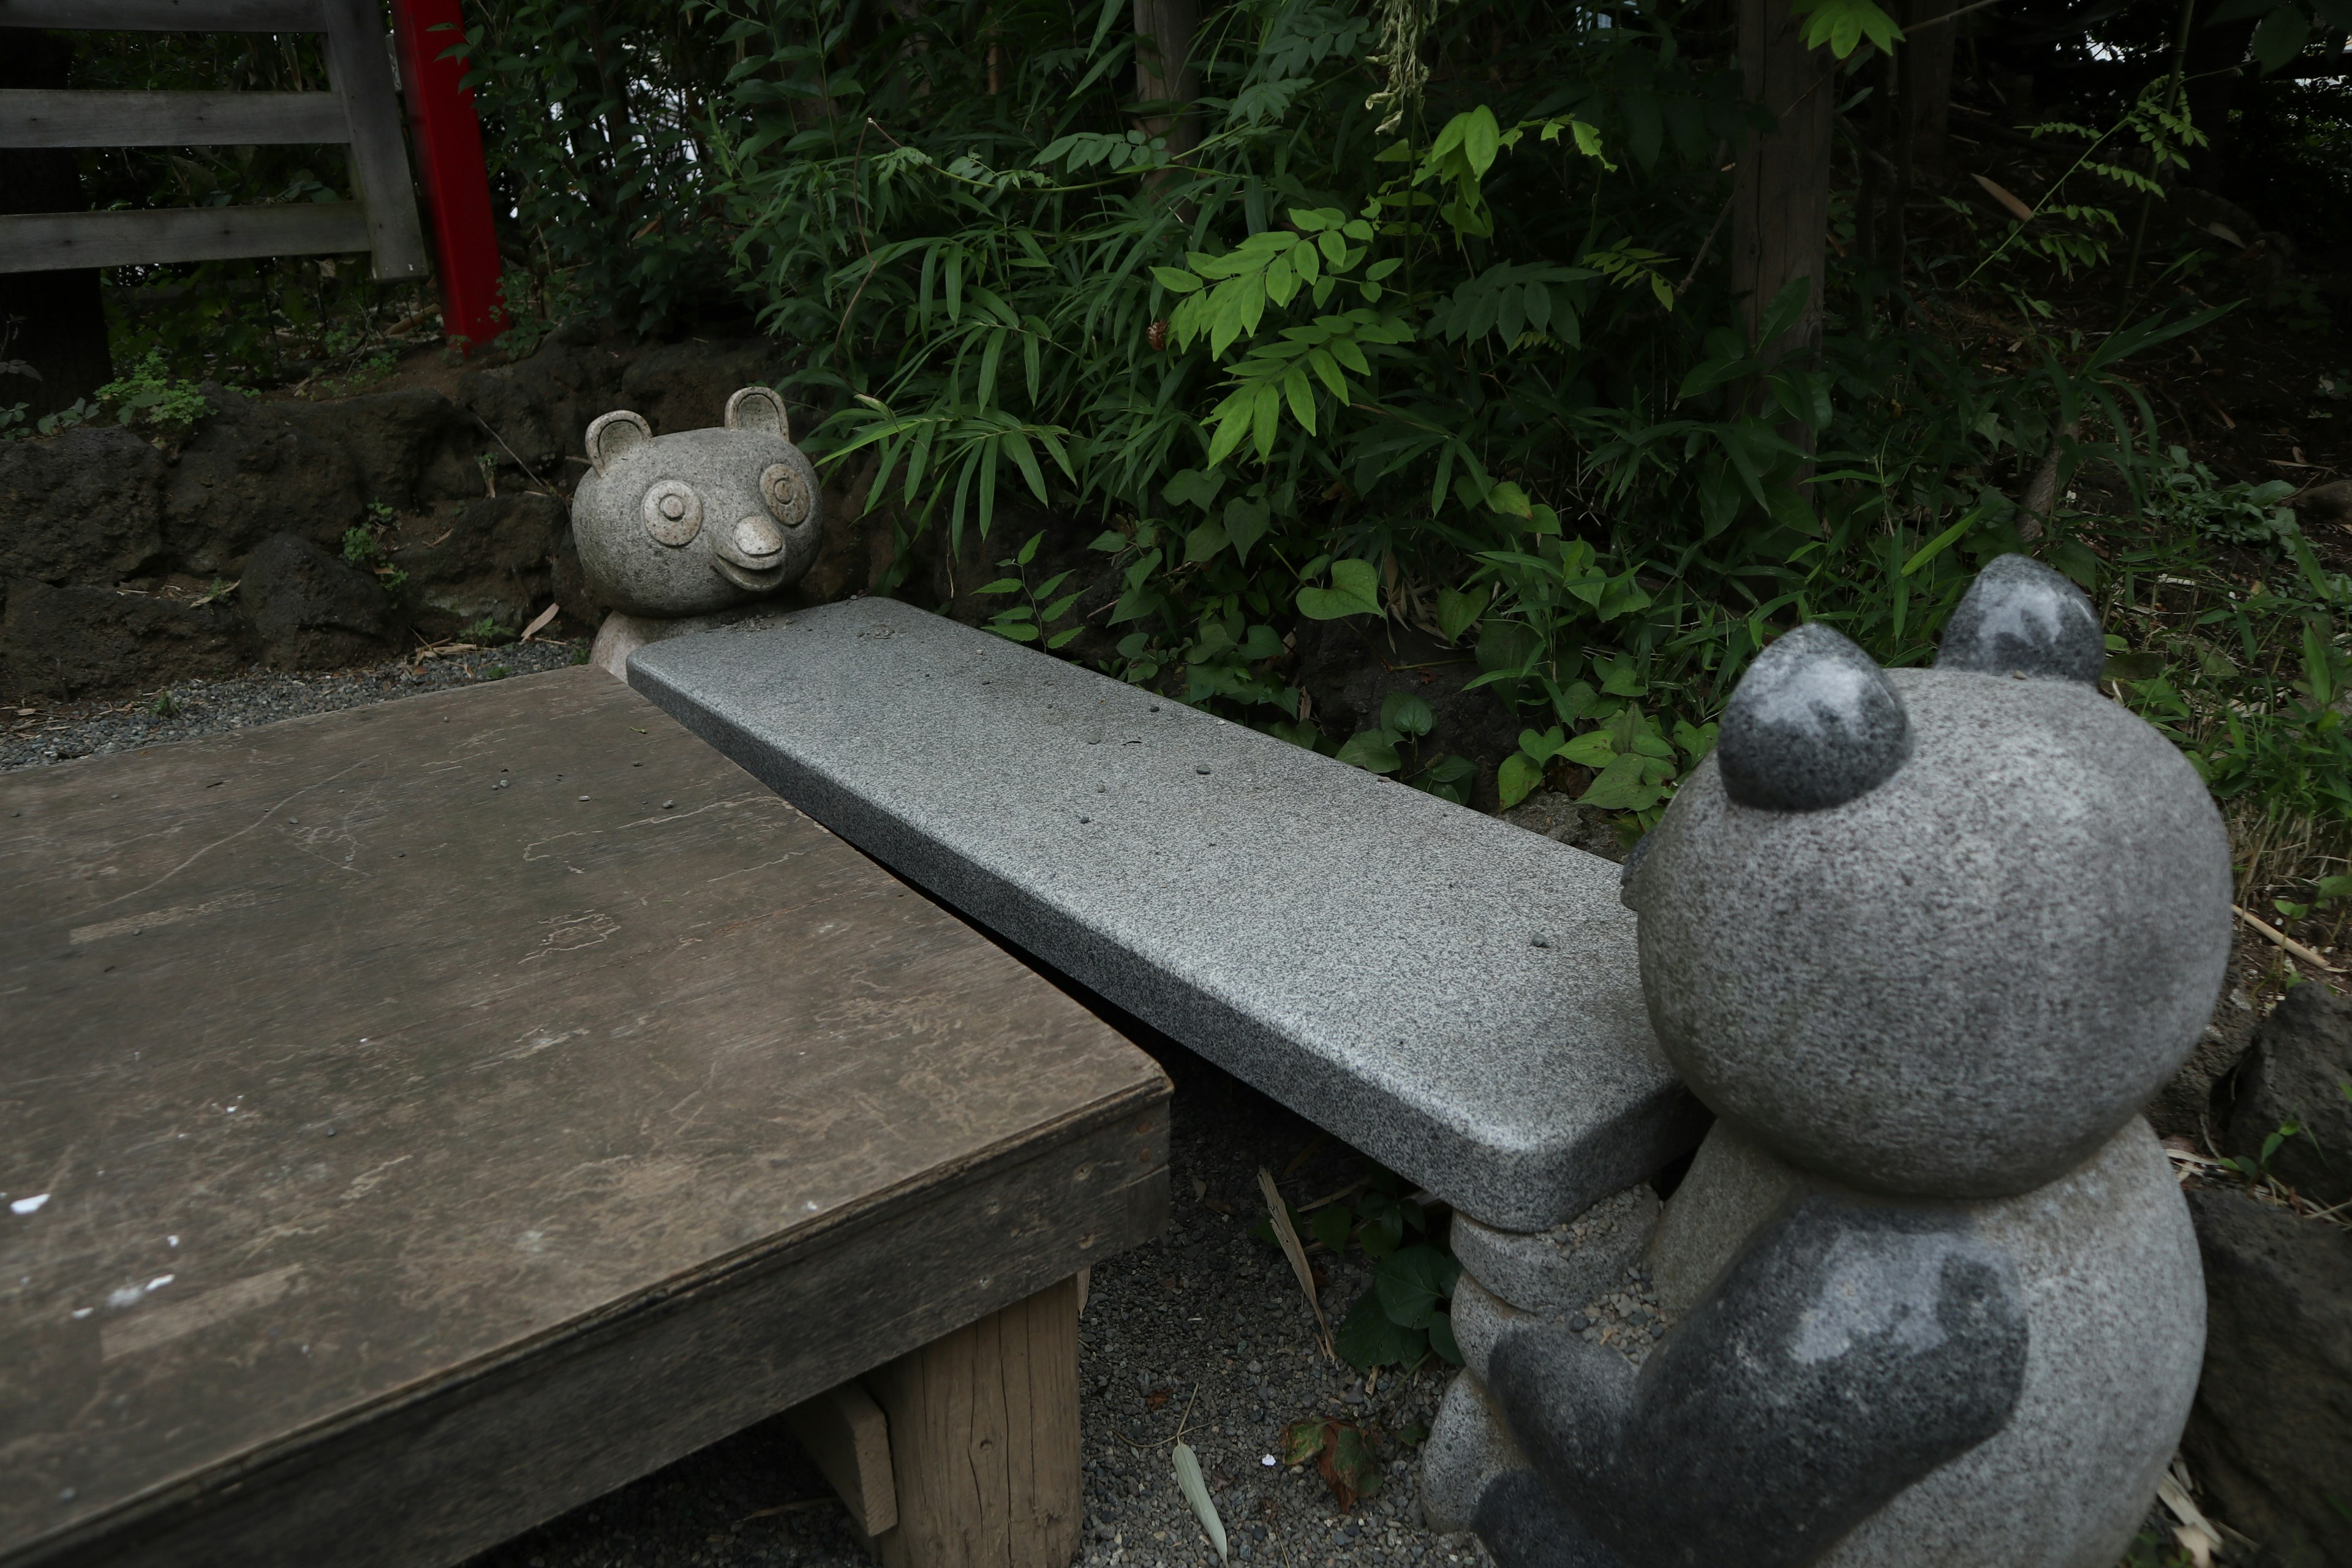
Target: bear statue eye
{"x": 786, "y": 493}
{"x": 673, "y": 512}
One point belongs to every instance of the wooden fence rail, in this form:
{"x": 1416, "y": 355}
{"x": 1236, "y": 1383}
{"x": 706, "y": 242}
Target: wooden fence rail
{"x": 362, "y": 113}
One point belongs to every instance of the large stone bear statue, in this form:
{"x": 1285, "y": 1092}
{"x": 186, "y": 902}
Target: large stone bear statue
{"x": 1924, "y": 941}
{"x": 674, "y": 530}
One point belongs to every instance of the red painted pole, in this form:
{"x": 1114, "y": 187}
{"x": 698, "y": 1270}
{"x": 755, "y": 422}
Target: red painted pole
{"x": 448, "y": 138}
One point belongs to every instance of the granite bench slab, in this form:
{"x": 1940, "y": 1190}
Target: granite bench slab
{"x": 1454, "y": 995}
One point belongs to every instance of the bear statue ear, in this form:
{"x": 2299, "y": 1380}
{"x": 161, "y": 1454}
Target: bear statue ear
{"x": 759, "y": 408}
{"x": 614, "y": 434}
{"x": 2019, "y": 617}
{"x": 1813, "y": 724}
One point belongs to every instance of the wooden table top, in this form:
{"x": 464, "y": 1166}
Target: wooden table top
{"x": 349, "y": 1055}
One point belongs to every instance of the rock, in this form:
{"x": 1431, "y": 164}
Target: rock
{"x": 570, "y": 583}
{"x": 2029, "y": 948}
{"x": 2297, "y": 1072}
{"x": 255, "y": 470}
{"x": 491, "y": 557}
{"x": 311, "y": 610}
{"x": 1556, "y": 1271}
{"x": 1558, "y": 818}
{"x": 1468, "y": 1447}
{"x": 2271, "y": 1439}
{"x": 81, "y": 641}
{"x": 84, "y": 507}
{"x": 413, "y": 447}
{"x": 2326, "y": 504}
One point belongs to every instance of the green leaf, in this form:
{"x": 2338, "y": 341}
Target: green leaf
{"x": 1245, "y": 523}
{"x": 1001, "y": 585}
{"x": 1368, "y": 1338}
{"x": 1593, "y": 749}
{"x": 2281, "y": 38}
{"x": 1415, "y": 1283}
{"x": 1517, "y": 779}
{"x": 1406, "y": 714}
{"x": 1191, "y": 486}
{"x": 1354, "y": 591}
{"x": 1457, "y": 612}
{"x": 1370, "y": 750}
{"x": 1509, "y": 500}
{"x": 1109, "y": 540}
{"x": 1174, "y": 280}
{"x": 1623, "y": 785}
{"x": 1332, "y": 1225}
{"x": 1204, "y": 543}
{"x": 1442, "y": 1341}
{"x": 1301, "y": 1440}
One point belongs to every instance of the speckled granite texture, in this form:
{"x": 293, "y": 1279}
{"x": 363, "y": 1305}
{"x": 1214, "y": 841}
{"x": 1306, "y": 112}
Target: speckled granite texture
{"x": 1453, "y": 996}
{"x": 2114, "y": 1305}
{"x": 2029, "y": 920}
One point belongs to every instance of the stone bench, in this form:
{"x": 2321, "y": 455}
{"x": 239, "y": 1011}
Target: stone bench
{"x": 418, "y": 1121}
{"x": 1454, "y": 995}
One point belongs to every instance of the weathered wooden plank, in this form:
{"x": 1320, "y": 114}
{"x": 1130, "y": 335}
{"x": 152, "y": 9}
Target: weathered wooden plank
{"x": 844, "y": 1435}
{"x": 31, "y": 117}
{"x": 45, "y": 242}
{"x": 359, "y": 66}
{"x": 499, "y": 1144}
{"x": 166, "y": 16}
{"x": 984, "y": 1441}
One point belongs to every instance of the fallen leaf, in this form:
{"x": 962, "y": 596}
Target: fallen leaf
{"x": 1157, "y": 1399}
{"x": 2016, "y": 209}
{"x": 2224, "y": 231}
{"x": 538, "y": 622}
{"x": 1196, "y": 1492}
{"x": 1346, "y": 1464}
{"x": 1301, "y": 1441}
{"x": 1279, "y": 1215}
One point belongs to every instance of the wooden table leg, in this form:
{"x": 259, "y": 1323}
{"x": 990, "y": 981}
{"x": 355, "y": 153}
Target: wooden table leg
{"x": 984, "y": 1441}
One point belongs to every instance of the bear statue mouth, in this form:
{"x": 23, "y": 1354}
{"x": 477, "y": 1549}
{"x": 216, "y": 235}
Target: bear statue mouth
{"x": 757, "y": 579}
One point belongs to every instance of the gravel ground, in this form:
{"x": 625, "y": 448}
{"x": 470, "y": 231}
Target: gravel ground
{"x": 32, "y": 737}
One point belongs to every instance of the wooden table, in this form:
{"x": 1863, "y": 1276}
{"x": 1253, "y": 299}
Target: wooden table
{"x": 417, "y": 1121}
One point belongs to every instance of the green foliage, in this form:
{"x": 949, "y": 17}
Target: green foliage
{"x": 1454, "y": 362}
{"x": 1042, "y": 606}
{"x": 151, "y": 394}
{"x": 2257, "y": 1167}
{"x": 2186, "y": 495}
{"x": 1402, "y": 1317}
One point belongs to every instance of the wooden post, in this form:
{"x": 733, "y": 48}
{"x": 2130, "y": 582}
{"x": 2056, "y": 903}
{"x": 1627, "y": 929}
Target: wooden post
{"x": 51, "y": 319}
{"x": 1928, "y": 54}
{"x": 1164, "y": 72}
{"x": 1781, "y": 197}
{"x": 448, "y": 136}
{"x": 984, "y": 1441}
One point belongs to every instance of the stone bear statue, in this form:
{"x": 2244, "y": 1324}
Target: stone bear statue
{"x": 1924, "y": 941}
{"x": 673, "y": 529}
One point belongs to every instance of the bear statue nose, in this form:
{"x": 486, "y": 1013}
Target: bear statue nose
{"x": 758, "y": 537}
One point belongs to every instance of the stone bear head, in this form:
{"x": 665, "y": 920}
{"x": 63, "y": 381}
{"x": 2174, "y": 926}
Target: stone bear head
{"x": 1936, "y": 932}
{"x": 696, "y": 521}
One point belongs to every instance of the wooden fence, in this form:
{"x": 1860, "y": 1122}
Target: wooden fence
{"x": 360, "y": 111}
